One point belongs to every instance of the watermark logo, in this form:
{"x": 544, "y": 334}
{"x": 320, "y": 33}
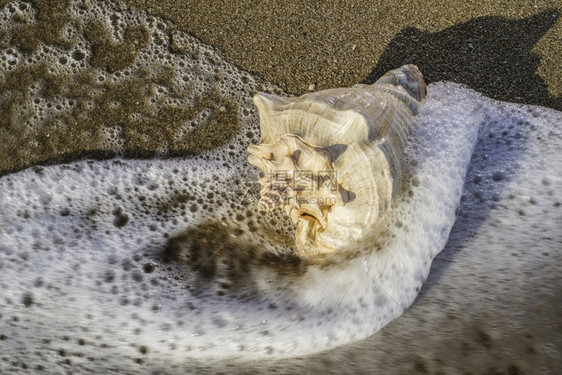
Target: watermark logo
{"x": 287, "y": 187}
{"x": 302, "y": 180}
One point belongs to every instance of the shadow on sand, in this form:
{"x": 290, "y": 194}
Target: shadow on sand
{"x": 492, "y": 55}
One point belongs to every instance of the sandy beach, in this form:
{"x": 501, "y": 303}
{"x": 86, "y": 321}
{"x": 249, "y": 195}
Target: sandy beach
{"x": 507, "y": 50}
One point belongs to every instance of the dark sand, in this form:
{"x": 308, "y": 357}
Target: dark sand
{"x": 508, "y": 50}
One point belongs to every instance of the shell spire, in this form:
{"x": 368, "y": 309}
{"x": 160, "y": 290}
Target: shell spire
{"x": 332, "y": 159}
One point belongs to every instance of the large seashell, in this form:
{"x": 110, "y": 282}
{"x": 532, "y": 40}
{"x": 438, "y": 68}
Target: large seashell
{"x": 332, "y": 158}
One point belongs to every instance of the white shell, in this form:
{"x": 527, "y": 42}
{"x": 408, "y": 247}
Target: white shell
{"x": 332, "y": 158}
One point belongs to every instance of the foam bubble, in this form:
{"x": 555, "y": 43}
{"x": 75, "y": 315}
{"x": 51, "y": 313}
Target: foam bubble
{"x": 168, "y": 257}
{"x": 97, "y": 52}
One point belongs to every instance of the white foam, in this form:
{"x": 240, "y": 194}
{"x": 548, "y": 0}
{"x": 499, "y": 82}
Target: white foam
{"x": 84, "y": 233}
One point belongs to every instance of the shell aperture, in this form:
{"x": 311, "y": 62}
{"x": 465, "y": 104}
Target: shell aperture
{"x": 332, "y": 159}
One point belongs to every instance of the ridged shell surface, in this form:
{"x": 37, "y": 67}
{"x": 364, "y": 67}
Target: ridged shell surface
{"x": 332, "y": 159}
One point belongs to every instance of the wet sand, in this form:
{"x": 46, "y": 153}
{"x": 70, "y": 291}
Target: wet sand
{"x": 507, "y": 50}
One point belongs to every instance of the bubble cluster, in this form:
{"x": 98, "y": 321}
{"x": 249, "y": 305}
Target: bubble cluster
{"x": 104, "y": 80}
{"x": 170, "y": 257}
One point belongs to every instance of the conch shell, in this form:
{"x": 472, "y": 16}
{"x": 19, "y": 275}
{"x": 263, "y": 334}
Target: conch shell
{"x": 332, "y": 158}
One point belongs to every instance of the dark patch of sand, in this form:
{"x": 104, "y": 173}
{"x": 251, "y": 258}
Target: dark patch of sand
{"x": 298, "y": 44}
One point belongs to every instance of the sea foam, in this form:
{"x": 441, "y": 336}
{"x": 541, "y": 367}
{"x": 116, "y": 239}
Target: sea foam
{"x": 85, "y": 248}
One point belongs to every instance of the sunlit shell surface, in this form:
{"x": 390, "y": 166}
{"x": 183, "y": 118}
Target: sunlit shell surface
{"x": 332, "y": 159}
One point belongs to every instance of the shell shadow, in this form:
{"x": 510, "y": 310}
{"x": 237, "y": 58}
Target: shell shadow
{"x": 492, "y": 55}
{"x": 216, "y": 256}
